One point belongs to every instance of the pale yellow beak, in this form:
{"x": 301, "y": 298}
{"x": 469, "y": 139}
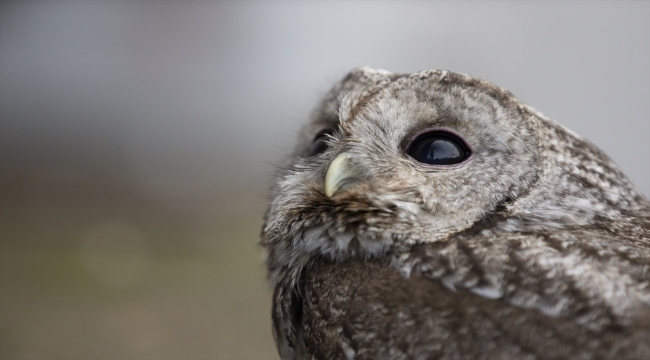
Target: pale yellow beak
{"x": 340, "y": 170}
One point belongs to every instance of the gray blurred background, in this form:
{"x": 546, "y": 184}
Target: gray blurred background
{"x": 138, "y": 140}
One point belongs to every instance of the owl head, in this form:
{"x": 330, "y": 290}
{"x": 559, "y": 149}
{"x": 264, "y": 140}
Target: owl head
{"x": 391, "y": 160}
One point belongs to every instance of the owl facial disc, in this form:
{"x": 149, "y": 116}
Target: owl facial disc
{"x": 339, "y": 171}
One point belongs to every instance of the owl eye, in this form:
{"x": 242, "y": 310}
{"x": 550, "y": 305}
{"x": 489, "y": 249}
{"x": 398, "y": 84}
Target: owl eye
{"x": 319, "y": 145}
{"x": 438, "y": 148}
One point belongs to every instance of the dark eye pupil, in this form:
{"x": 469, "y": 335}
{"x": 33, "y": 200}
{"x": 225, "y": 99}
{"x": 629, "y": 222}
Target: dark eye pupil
{"x": 438, "y": 148}
{"x": 319, "y": 145}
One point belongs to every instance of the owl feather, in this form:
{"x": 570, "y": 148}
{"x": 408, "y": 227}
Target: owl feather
{"x": 507, "y": 236}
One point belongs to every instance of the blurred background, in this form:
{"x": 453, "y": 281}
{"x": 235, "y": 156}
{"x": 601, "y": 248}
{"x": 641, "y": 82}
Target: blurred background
{"x": 138, "y": 140}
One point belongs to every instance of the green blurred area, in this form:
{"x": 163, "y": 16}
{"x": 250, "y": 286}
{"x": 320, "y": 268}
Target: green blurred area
{"x": 91, "y": 269}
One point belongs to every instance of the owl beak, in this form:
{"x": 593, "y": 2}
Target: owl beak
{"x": 339, "y": 171}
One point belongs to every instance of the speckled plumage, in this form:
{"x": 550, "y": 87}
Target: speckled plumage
{"x": 537, "y": 247}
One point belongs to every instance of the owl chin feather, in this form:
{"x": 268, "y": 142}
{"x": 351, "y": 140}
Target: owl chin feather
{"x": 514, "y": 215}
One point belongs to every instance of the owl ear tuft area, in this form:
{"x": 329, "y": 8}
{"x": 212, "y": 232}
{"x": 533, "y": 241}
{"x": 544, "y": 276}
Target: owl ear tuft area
{"x": 369, "y": 70}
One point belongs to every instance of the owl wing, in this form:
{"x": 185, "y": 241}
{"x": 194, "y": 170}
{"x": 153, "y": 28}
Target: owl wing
{"x": 561, "y": 294}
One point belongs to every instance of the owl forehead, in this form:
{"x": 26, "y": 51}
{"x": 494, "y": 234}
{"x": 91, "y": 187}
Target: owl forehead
{"x": 405, "y": 106}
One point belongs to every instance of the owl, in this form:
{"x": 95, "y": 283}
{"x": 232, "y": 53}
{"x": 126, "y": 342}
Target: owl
{"x": 435, "y": 216}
